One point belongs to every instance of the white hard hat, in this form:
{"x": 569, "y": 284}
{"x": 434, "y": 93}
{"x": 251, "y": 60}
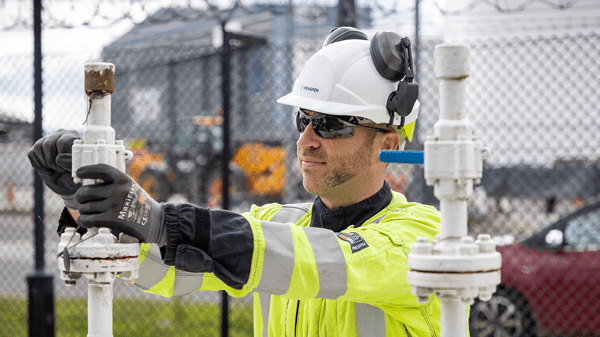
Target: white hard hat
{"x": 341, "y": 79}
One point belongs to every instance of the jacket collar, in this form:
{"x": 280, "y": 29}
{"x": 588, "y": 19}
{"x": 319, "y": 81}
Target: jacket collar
{"x": 356, "y": 214}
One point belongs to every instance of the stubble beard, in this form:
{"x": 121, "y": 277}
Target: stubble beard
{"x": 346, "y": 168}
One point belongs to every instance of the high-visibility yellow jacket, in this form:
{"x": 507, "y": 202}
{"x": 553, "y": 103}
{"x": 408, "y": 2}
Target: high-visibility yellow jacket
{"x": 307, "y": 281}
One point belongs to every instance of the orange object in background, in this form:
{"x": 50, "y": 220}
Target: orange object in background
{"x": 10, "y": 192}
{"x": 578, "y": 202}
{"x": 397, "y": 183}
{"x": 261, "y": 170}
{"x": 263, "y": 166}
{"x": 141, "y": 158}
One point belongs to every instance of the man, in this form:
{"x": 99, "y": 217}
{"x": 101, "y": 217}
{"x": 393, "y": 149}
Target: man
{"x": 336, "y": 267}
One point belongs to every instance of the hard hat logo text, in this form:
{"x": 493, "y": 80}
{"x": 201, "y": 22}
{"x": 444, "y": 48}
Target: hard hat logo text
{"x": 313, "y": 89}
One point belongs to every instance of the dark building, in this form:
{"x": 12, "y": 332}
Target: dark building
{"x": 168, "y": 83}
{"x": 168, "y": 71}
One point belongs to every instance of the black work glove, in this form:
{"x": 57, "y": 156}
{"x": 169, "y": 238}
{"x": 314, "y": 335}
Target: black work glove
{"x": 119, "y": 203}
{"x": 51, "y": 156}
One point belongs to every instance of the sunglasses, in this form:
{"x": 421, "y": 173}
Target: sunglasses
{"x": 328, "y": 126}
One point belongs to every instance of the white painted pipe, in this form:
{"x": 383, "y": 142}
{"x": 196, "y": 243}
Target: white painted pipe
{"x": 453, "y": 218}
{"x": 454, "y": 266}
{"x": 100, "y": 303}
{"x": 454, "y": 318}
{"x": 452, "y": 68}
{"x": 98, "y": 146}
{"x": 98, "y": 138}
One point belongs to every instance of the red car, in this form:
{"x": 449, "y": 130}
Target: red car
{"x": 550, "y": 283}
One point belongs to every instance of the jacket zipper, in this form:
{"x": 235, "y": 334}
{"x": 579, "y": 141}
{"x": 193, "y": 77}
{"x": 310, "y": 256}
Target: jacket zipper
{"x": 296, "y": 324}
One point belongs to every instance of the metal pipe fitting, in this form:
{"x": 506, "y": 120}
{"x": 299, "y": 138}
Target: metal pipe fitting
{"x": 455, "y": 266}
{"x": 98, "y": 256}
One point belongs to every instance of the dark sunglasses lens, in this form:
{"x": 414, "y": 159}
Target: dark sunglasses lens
{"x": 325, "y": 127}
{"x": 301, "y": 121}
{"x": 330, "y": 127}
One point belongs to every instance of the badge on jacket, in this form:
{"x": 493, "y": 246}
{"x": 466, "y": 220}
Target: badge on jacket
{"x": 357, "y": 243}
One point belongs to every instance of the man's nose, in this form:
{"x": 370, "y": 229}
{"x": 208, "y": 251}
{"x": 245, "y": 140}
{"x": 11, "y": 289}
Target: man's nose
{"x": 308, "y": 138}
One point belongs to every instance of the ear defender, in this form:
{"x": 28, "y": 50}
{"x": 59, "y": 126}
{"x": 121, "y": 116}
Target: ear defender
{"x": 392, "y": 57}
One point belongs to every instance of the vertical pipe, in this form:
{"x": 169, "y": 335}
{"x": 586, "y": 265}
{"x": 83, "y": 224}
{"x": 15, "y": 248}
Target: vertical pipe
{"x": 99, "y": 86}
{"x": 100, "y": 309}
{"x": 40, "y": 282}
{"x": 225, "y": 63}
{"x": 454, "y": 318}
{"x": 453, "y": 218}
{"x": 453, "y": 102}
{"x": 452, "y": 68}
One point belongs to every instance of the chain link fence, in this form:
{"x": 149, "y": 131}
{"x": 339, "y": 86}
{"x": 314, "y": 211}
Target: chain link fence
{"x": 533, "y": 101}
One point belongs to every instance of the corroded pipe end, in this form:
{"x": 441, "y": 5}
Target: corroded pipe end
{"x": 99, "y": 76}
{"x": 452, "y": 61}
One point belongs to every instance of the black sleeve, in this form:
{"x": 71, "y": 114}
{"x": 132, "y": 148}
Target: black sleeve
{"x": 66, "y": 220}
{"x": 209, "y": 241}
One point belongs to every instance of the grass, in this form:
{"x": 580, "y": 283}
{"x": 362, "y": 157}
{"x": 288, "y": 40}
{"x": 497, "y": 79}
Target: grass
{"x": 132, "y": 317}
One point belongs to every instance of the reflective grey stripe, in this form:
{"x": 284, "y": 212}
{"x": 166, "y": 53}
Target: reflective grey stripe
{"x": 370, "y": 321}
{"x": 152, "y": 270}
{"x": 331, "y": 263}
{"x": 265, "y": 305}
{"x": 186, "y": 282}
{"x": 279, "y": 258}
{"x": 279, "y": 249}
{"x": 291, "y": 213}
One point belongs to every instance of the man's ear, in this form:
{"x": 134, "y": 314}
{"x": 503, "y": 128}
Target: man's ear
{"x": 390, "y": 141}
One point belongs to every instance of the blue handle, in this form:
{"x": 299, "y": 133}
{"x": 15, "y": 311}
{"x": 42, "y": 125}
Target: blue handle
{"x": 402, "y": 157}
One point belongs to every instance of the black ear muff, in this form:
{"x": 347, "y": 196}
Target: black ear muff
{"x": 344, "y": 33}
{"x": 387, "y": 57}
{"x": 392, "y": 57}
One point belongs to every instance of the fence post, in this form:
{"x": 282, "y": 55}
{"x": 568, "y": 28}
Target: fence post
{"x": 40, "y": 281}
{"x": 225, "y": 73}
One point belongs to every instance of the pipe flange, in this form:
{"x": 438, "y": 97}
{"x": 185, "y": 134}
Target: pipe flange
{"x": 97, "y": 256}
{"x": 455, "y": 255}
{"x": 456, "y": 268}
{"x": 457, "y": 286}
